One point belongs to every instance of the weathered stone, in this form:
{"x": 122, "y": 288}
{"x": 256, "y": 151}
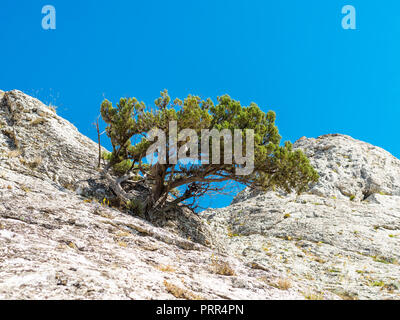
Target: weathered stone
{"x": 342, "y": 237}
{"x": 58, "y": 241}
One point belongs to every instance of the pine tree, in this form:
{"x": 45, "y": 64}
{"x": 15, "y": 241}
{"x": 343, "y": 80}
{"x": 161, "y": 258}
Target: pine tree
{"x": 275, "y": 166}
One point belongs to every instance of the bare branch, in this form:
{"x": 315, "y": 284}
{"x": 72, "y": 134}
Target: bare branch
{"x": 96, "y": 124}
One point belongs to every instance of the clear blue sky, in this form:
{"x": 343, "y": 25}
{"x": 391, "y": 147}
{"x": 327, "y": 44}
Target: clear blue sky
{"x": 290, "y": 56}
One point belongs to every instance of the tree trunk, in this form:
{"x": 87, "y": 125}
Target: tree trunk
{"x": 158, "y": 188}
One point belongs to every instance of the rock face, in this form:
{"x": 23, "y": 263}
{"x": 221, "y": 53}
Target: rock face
{"x": 343, "y": 237}
{"x": 57, "y": 241}
{"x": 351, "y": 168}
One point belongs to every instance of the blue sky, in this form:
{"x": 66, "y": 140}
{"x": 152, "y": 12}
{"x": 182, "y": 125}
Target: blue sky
{"x": 289, "y": 56}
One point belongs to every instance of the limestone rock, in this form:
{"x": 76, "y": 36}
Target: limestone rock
{"x": 348, "y": 168}
{"x": 343, "y": 237}
{"x": 58, "y": 241}
{"x": 351, "y": 168}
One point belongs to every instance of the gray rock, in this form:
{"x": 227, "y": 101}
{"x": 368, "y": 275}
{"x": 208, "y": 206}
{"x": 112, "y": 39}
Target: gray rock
{"x": 342, "y": 237}
{"x": 57, "y": 241}
{"x": 351, "y": 168}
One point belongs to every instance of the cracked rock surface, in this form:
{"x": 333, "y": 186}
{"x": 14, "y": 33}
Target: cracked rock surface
{"x": 343, "y": 237}
{"x": 341, "y": 240}
{"x": 57, "y": 241}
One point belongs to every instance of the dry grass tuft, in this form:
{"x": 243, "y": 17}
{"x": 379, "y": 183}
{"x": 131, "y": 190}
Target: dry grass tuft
{"x": 347, "y": 295}
{"x": 314, "y": 296}
{"x": 180, "y": 293}
{"x": 123, "y": 234}
{"x": 72, "y": 245}
{"x": 36, "y": 162}
{"x": 221, "y": 267}
{"x": 38, "y": 121}
{"x": 122, "y": 244}
{"x": 25, "y": 189}
{"x": 69, "y": 186}
{"x": 283, "y": 284}
{"x": 280, "y": 283}
{"x": 53, "y": 108}
{"x": 14, "y": 153}
{"x": 12, "y": 136}
{"x": 166, "y": 268}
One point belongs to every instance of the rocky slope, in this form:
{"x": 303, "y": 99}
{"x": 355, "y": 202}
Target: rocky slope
{"x": 343, "y": 237}
{"x": 58, "y": 241}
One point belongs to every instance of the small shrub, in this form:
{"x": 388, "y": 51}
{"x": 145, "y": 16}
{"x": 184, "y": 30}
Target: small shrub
{"x": 231, "y": 234}
{"x": 135, "y": 206}
{"x": 391, "y": 287}
{"x": 123, "y": 166}
{"x": 385, "y": 260}
{"x": 106, "y": 155}
{"x": 377, "y": 284}
{"x": 314, "y": 296}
